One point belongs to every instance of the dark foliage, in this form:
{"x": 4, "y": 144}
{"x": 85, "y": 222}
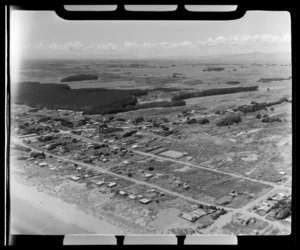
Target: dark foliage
{"x": 233, "y": 82}
{"x": 164, "y": 119}
{"x": 45, "y": 138}
{"x": 129, "y": 133}
{"x": 81, "y": 77}
{"x": 44, "y": 119}
{"x": 64, "y": 122}
{"x": 210, "y": 92}
{"x": 114, "y": 110}
{"x": 110, "y": 130}
{"x": 203, "y": 121}
{"x": 254, "y": 106}
{"x": 60, "y": 96}
{"x": 229, "y": 120}
{"x": 90, "y": 101}
{"x": 139, "y": 119}
{"x": 270, "y": 119}
{"x": 284, "y": 213}
{"x": 33, "y": 110}
{"x": 164, "y": 89}
{"x": 38, "y": 155}
{"x": 266, "y": 80}
{"x": 214, "y": 69}
{"x": 192, "y": 121}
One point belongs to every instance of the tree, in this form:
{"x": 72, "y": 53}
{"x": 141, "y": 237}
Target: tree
{"x": 229, "y": 120}
{"x": 139, "y": 119}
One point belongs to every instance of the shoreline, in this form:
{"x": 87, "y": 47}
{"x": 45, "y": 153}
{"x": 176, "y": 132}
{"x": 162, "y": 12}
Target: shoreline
{"x": 34, "y": 212}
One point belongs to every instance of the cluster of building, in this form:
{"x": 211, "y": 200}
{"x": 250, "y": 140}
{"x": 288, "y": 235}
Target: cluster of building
{"x": 196, "y": 214}
{"x": 276, "y": 207}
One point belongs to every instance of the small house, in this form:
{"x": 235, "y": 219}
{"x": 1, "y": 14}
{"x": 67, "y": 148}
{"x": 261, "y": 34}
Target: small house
{"x": 178, "y": 183}
{"x": 148, "y": 175}
{"x": 122, "y": 193}
{"x": 264, "y": 208}
{"x": 112, "y": 184}
{"x": 75, "y": 178}
{"x": 132, "y": 197}
{"x": 199, "y": 212}
{"x": 244, "y": 218}
{"x": 145, "y": 201}
{"x": 189, "y": 217}
{"x": 100, "y": 183}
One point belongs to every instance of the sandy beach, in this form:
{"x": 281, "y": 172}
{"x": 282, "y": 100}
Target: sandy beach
{"x": 34, "y": 212}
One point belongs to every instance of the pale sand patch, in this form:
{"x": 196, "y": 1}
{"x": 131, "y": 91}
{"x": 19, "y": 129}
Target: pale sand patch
{"x": 183, "y": 169}
{"x": 251, "y": 157}
{"x": 286, "y": 140}
{"x": 167, "y": 218}
{"x": 39, "y": 213}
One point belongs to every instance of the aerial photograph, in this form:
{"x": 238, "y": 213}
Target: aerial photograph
{"x": 150, "y": 127}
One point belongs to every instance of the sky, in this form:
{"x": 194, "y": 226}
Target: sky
{"x": 43, "y": 35}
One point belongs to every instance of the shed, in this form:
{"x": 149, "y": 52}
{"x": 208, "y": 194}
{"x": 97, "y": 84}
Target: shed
{"x": 122, "y": 193}
{"x": 112, "y": 184}
{"x": 43, "y": 164}
{"x": 100, "y": 183}
{"x": 132, "y": 197}
{"x": 145, "y": 201}
{"x": 172, "y": 154}
{"x": 75, "y": 178}
{"x": 199, "y": 212}
{"x": 189, "y": 217}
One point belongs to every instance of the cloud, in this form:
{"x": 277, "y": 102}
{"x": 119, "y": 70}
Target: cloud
{"x": 74, "y": 46}
{"x": 241, "y": 43}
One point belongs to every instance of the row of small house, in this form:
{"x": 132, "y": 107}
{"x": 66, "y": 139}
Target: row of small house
{"x": 112, "y": 184}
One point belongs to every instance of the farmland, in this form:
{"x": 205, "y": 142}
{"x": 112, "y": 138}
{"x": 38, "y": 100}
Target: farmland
{"x": 219, "y": 162}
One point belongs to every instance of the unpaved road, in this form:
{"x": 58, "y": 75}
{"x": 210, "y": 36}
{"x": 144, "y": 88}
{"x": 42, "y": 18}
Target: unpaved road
{"x": 230, "y": 210}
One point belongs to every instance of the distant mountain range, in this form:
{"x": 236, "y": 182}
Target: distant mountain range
{"x": 242, "y": 57}
{"x": 246, "y": 57}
